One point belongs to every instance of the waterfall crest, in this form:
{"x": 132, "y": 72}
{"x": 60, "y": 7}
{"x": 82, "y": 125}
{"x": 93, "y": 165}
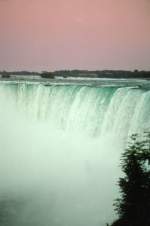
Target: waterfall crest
{"x": 90, "y": 110}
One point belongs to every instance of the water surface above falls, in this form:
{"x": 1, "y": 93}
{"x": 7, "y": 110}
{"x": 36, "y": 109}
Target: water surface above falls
{"x": 60, "y": 147}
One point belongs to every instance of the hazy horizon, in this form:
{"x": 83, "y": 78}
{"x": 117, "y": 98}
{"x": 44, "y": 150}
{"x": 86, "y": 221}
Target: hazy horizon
{"x": 66, "y": 69}
{"x": 54, "y": 35}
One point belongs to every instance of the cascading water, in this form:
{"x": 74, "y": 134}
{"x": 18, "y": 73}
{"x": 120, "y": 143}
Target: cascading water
{"x": 59, "y": 151}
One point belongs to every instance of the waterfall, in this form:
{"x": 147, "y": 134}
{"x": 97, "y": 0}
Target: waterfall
{"x": 60, "y": 148}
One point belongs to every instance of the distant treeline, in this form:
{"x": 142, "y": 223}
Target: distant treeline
{"x": 81, "y": 73}
{"x": 103, "y": 74}
{"x": 9, "y": 73}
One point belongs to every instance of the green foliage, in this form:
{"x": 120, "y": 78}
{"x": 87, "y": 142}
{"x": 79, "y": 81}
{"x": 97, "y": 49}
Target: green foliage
{"x": 133, "y": 207}
{"x": 46, "y": 74}
{"x": 5, "y": 74}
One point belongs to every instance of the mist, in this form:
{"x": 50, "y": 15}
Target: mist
{"x": 66, "y": 179}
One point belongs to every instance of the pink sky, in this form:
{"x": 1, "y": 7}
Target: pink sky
{"x": 69, "y": 34}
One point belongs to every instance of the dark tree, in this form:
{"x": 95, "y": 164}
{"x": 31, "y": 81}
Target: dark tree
{"x": 5, "y": 74}
{"x": 133, "y": 207}
{"x": 46, "y": 74}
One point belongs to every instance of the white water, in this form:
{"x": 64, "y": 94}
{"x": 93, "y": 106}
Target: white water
{"x": 60, "y": 148}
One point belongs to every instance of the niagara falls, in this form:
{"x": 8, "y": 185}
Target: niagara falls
{"x": 61, "y": 164}
{"x": 74, "y": 112}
